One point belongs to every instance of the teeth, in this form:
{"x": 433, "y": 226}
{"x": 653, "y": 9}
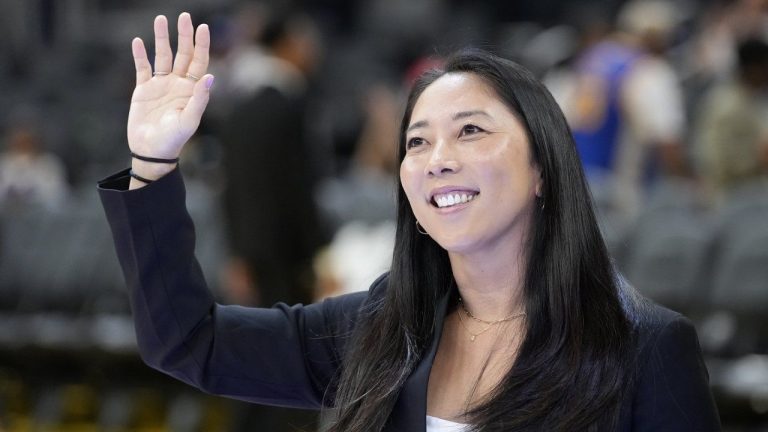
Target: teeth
{"x": 448, "y": 200}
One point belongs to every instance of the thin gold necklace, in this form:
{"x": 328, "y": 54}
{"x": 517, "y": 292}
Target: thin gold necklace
{"x": 489, "y": 324}
{"x": 472, "y": 336}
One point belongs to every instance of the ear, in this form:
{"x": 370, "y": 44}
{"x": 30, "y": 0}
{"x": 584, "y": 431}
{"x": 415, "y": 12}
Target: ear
{"x": 539, "y": 186}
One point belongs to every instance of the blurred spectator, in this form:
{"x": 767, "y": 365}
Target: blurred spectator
{"x": 724, "y": 24}
{"x": 625, "y": 104}
{"x": 271, "y": 216}
{"x": 732, "y": 126}
{"x": 709, "y": 57}
{"x": 28, "y": 174}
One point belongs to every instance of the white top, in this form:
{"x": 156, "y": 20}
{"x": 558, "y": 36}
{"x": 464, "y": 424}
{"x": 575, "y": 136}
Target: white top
{"x": 436, "y": 424}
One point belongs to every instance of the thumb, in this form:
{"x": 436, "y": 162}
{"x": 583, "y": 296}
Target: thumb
{"x": 193, "y": 112}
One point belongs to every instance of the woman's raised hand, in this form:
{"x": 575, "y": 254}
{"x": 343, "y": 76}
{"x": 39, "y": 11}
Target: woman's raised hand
{"x": 168, "y": 102}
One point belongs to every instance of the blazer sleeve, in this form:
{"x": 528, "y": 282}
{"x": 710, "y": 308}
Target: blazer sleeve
{"x": 673, "y": 392}
{"x": 284, "y": 355}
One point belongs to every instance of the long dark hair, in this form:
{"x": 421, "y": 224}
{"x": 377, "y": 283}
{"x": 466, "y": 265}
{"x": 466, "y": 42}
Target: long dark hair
{"x": 575, "y": 359}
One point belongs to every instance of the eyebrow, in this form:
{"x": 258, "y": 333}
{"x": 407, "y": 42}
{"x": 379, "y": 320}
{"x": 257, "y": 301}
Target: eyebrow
{"x": 457, "y": 116}
{"x": 465, "y": 114}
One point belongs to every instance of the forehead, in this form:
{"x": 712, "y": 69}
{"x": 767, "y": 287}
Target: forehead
{"x": 456, "y": 91}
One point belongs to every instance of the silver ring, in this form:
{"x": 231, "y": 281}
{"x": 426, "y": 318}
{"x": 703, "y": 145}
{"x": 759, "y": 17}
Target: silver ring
{"x": 159, "y": 73}
{"x": 192, "y": 77}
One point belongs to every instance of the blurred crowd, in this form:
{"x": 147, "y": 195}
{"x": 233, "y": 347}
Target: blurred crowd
{"x": 291, "y": 176}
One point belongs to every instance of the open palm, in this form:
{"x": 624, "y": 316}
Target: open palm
{"x": 167, "y": 105}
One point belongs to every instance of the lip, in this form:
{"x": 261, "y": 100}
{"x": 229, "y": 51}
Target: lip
{"x": 452, "y": 209}
{"x": 451, "y": 189}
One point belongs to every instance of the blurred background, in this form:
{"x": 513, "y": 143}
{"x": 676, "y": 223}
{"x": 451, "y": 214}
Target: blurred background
{"x": 666, "y": 99}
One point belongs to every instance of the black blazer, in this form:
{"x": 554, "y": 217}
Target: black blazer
{"x": 289, "y": 355}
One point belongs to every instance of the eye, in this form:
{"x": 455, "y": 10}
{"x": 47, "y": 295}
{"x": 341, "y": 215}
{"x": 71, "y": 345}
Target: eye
{"x": 414, "y": 142}
{"x": 470, "y": 129}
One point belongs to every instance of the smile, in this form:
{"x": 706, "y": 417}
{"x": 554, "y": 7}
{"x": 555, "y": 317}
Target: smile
{"x": 452, "y": 199}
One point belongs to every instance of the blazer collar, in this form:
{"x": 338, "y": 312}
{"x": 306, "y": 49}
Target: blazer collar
{"x": 410, "y": 410}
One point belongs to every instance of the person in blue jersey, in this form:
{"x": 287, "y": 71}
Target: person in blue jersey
{"x": 501, "y": 310}
{"x": 626, "y": 105}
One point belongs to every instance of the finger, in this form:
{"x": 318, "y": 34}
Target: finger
{"x": 192, "y": 113}
{"x": 163, "y": 54}
{"x": 186, "y": 47}
{"x": 199, "y": 64}
{"x": 143, "y": 68}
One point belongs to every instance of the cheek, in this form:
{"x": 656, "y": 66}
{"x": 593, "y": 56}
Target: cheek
{"x": 511, "y": 179}
{"x": 412, "y": 181}
{"x": 408, "y": 179}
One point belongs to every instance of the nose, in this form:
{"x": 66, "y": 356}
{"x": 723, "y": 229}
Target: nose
{"x": 442, "y": 160}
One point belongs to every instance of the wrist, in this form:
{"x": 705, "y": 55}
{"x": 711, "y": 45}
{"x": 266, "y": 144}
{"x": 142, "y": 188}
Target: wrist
{"x": 150, "y": 170}
{"x": 154, "y": 159}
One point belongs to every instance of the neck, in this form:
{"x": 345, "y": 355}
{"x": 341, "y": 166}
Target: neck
{"x": 491, "y": 285}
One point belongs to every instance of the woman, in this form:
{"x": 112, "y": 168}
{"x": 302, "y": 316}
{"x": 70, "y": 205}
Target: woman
{"x": 501, "y": 312}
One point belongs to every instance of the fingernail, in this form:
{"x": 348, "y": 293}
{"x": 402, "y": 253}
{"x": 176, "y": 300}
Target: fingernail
{"x": 209, "y": 82}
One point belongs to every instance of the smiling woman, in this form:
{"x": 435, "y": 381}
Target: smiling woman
{"x": 538, "y": 331}
{"x": 467, "y": 170}
{"x": 501, "y": 312}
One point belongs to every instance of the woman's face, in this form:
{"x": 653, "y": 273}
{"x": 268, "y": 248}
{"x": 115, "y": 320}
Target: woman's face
{"x": 467, "y": 172}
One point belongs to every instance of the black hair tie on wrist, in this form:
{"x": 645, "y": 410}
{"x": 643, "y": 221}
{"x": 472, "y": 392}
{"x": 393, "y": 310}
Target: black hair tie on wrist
{"x": 152, "y": 159}
{"x": 140, "y": 178}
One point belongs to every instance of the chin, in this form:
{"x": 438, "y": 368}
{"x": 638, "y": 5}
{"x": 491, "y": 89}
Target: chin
{"x": 456, "y": 243}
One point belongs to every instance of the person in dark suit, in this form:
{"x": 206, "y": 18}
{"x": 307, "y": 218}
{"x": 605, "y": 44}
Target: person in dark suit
{"x": 501, "y": 310}
{"x": 273, "y": 244}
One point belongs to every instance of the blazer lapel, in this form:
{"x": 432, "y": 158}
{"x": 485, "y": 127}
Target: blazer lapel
{"x": 410, "y": 410}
